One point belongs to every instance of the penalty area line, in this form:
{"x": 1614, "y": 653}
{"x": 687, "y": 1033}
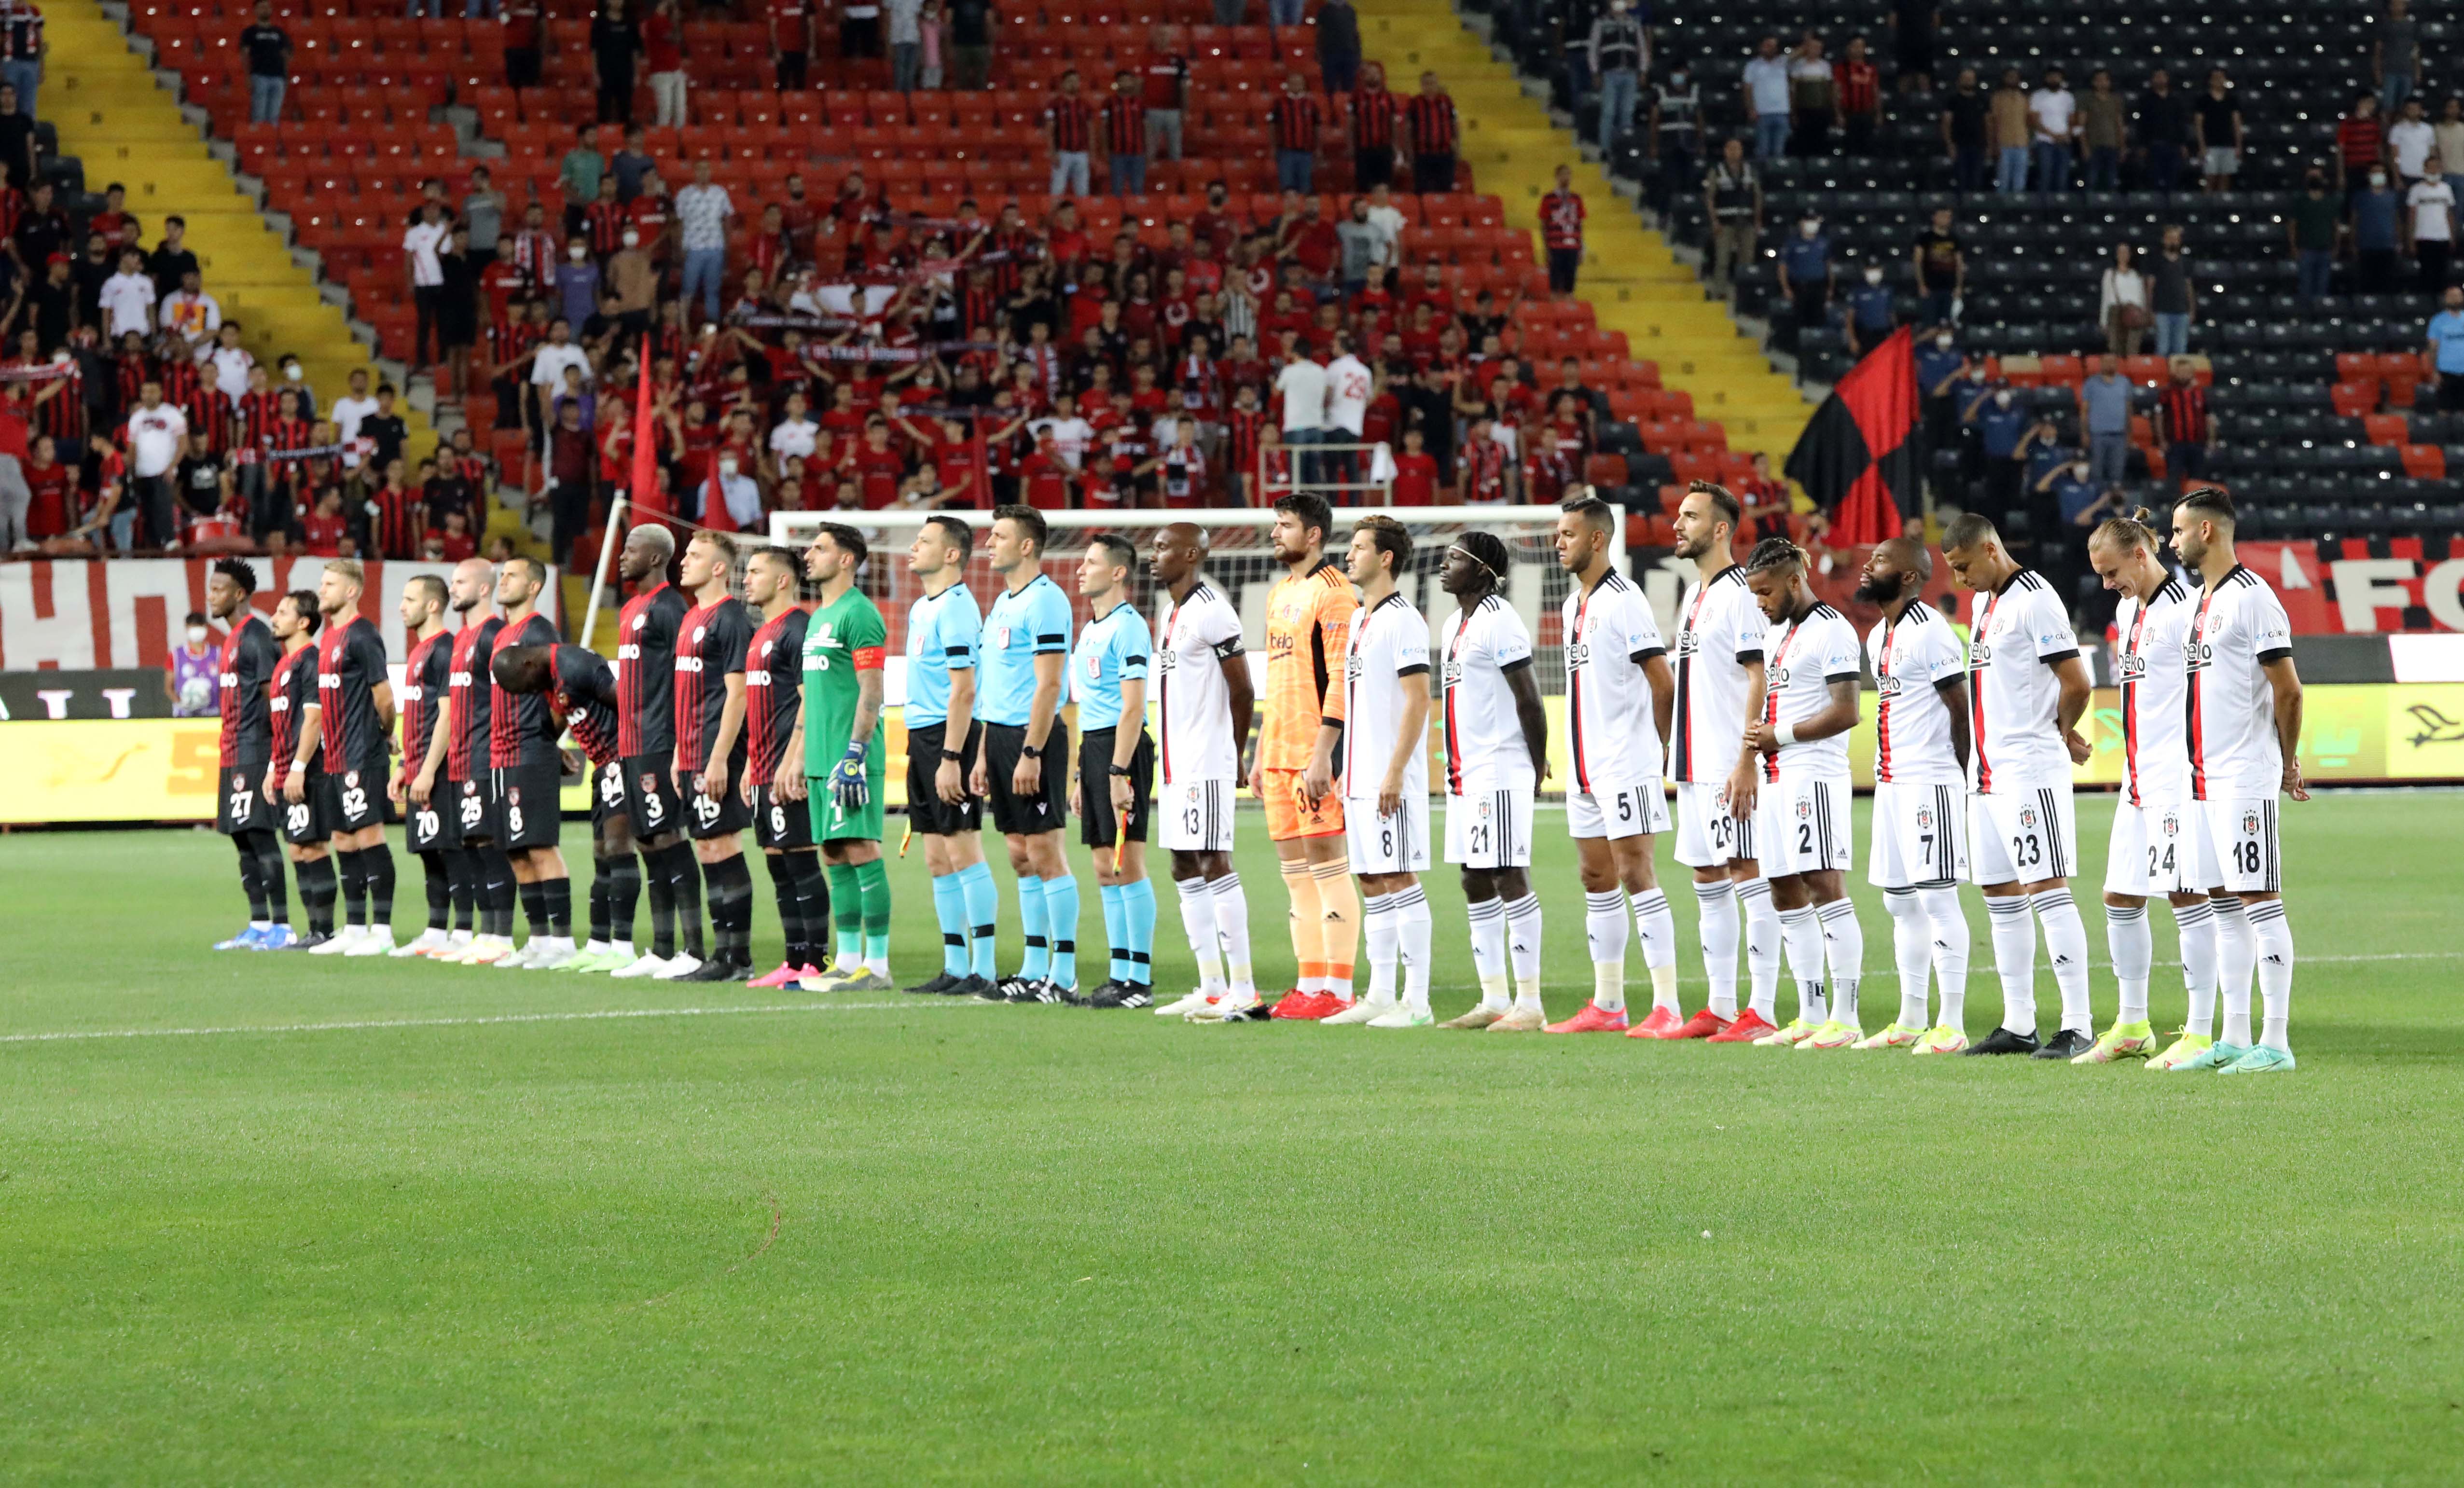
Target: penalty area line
{"x": 476, "y": 1021}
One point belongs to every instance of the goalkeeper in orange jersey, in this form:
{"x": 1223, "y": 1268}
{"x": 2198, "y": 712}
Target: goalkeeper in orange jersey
{"x": 1309, "y": 615}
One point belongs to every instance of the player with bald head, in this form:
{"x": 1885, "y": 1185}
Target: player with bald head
{"x": 1203, "y": 694}
{"x": 646, "y": 743}
{"x": 1920, "y": 849}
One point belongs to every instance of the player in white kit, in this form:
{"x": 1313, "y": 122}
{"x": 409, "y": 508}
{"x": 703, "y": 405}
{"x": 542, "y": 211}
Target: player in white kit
{"x": 2243, "y": 727}
{"x": 2157, "y": 847}
{"x": 2026, "y": 691}
{"x": 1719, "y": 665}
{"x": 1202, "y": 692}
{"x": 1920, "y": 847}
{"x": 1801, "y": 815}
{"x": 1496, "y": 738}
{"x": 1619, "y": 692}
{"x": 1385, "y": 776}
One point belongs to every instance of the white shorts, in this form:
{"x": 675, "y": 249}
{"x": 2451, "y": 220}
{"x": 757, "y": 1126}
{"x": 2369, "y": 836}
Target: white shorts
{"x": 2157, "y": 849}
{"x": 2022, "y": 836}
{"x": 1801, "y": 824}
{"x": 1399, "y": 843}
{"x": 1919, "y": 836}
{"x": 1489, "y": 825}
{"x": 1707, "y": 836}
{"x": 1626, "y": 811}
{"x": 1195, "y": 816}
{"x": 2241, "y": 832}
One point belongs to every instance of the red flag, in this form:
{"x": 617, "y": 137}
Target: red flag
{"x": 714, "y": 513}
{"x": 647, "y": 501}
{"x": 1861, "y": 457}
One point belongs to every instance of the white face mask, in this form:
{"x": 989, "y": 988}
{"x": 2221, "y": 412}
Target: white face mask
{"x": 1872, "y": 275}
{"x": 631, "y": 239}
{"x": 1807, "y": 230}
{"x": 2001, "y": 400}
{"x": 1941, "y": 343}
{"x": 577, "y": 254}
{"x": 196, "y": 635}
{"x": 2078, "y": 470}
{"x": 727, "y": 467}
{"x": 293, "y": 373}
{"x": 2378, "y": 178}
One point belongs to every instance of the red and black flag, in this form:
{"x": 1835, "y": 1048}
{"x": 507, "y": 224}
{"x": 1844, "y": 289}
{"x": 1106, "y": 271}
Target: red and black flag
{"x": 1863, "y": 458}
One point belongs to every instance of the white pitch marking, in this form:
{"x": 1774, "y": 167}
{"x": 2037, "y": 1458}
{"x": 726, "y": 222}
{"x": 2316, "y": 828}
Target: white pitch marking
{"x": 472, "y": 1023}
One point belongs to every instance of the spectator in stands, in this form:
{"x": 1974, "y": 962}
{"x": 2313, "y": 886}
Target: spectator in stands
{"x": 2122, "y": 303}
{"x": 860, "y": 30}
{"x": 2395, "y": 55}
{"x": 1733, "y": 195}
{"x": 1860, "y": 99}
{"x": 2171, "y": 294}
{"x": 1069, "y": 127}
{"x": 188, "y": 312}
{"x": 971, "y": 41}
{"x": 172, "y": 261}
{"x": 1297, "y": 119}
{"x": 577, "y": 174}
{"x": 268, "y": 65}
{"x": 2442, "y": 357}
{"x": 1432, "y": 132}
{"x": 1125, "y": 135}
{"x": 2065, "y": 506}
{"x": 523, "y": 32}
{"x": 2104, "y": 131}
{"x": 483, "y": 217}
{"x": 127, "y": 298}
{"x": 614, "y": 44}
{"x": 2450, "y": 132}
{"x": 2183, "y": 424}
{"x": 1339, "y": 46}
{"x": 663, "y": 51}
{"x": 2429, "y": 224}
{"x": 703, "y": 212}
{"x": 18, "y": 151}
{"x": 1673, "y": 141}
{"x": 2053, "y": 129}
{"x": 458, "y": 324}
{"x": 791, "y": 42}
{"x": 23, "y": 51}
{"x": 1939, "y": 363}
{"x": 2000, "y": 424}
{"x": 1281, "y": 13}
{"x": 157, "y": 434}
{"x": 2376, "y": 234}
{"x": 2105, "y": 414}
{"x": 1807, "y": 273}
{"x": 1940, "y": 271}
{"x": 2011, "y": 133}
{"x": 905, "y": 43}
{"x": 577, "y": 282}
{"x": 1765, "y": 83}
{"x": 2360, "y": 142}
{"x": 1619, "y": 53}
{"x": 1967, "y": 123}
{"x": 2314, "y": 227}
{"x": 933, "y": 42}
{"x": 1561, "y": 234}
{"x": 1813, "y": 98}
{"x": 2217, "y": 123}
{"x": 2410, "y": 139}
{"x": 1871, "y": 318}
{"x": 2161, "y": 125}
{"x": 423, "y": 245}
{"x": 2040, "y": 450}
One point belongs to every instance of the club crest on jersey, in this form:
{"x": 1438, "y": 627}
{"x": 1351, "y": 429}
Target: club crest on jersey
{"x": 1804, "y": 810}
{"x": 350, "y": 779}
{"x": 2249, "y": 824}
{"x": 513, "y": 794}
{"x": 2170, "y": 824}
{"x": 1484, "y": 810}
{"x": 639, "y": 620}
{"x": 2028, "y": 815}
{"x": 1924, "y": 818}
{"x": 650, "y": 784}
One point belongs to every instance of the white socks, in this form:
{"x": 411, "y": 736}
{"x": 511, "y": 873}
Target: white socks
{"x": 2197, "y": 925}
{"x": 1232, "y": 928}
{"x": 1197, "y": 922}
{"x": 1656, "y": 928}
{"x": 1801, "y": 930}
{"x": 1385, "y": 930}
{"x": 2236, "y": 957}
{"x": 1843, "y": 946}
{"x": 1409, "y": 908}
{"x": 1949, "y": 952}
{"x": 1605, "y": 927}
{"x": 1763, "y": 941}
{"x": 1717, "y": 902}
{"x": 2274, "y": 935}
{"x": 2015, "y": 957}
{"x": 2066, "y": 946}
{"x": 1911, "y": 951}
{"x": 2132, "y": 945}
{"x": 1523, "y": 946}
{"x": 1488, "y": 952}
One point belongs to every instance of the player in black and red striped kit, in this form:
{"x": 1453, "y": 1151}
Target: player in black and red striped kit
{"x": 295, "y": 771}
{"x": 584, "y": 690}
{"x": 710, "y": 755}
{"x": 355, "y": 719}
{"x": 524, "y": 811}
{"x": 424, "y": 680}
{"x": 244, "y": 812}
{"x": 454, "y": 777}
{"x": 646, "y": 732}
{"x": 773, "y": 776}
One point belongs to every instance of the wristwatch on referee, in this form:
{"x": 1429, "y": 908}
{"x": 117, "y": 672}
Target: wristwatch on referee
{"x": 950, "y": 756}
{"x": 1122, "y": 771}
{"x": 1030, "y": 751}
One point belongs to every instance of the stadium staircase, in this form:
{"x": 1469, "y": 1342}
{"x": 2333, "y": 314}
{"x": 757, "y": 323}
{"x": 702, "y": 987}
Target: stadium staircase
{"x": 124, "y": 123}
{"x": 1631, "y": 278}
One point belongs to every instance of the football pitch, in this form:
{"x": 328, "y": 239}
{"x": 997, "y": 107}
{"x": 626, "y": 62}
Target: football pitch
{"x": 275, "y": 1219}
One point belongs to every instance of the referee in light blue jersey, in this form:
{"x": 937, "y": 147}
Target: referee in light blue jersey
{"x": 1115, "y": 786}
{"x": 1021, "y": 766}
{"x": 943, "y": 629}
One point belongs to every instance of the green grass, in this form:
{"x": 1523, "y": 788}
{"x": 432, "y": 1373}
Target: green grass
{"x": 907, "y": 1240}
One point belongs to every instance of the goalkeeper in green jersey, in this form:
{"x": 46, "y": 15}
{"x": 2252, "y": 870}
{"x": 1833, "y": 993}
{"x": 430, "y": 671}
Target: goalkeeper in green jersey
{"x": 844, "y": 646}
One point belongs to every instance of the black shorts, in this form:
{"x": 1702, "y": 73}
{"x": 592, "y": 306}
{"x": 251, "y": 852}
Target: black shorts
{"x": 525, "y": 808}
{"x": 650, "y": 795}
{"x": 606, "y": 795}
{"x": 779, "y": 822}
{"x": 1095, "y": 826}
{"x": 356, "y": 797}
{"x": 706, "y": 818}
{"x": 464, "y": 804}
{"x": 925, "y": 811}
{"x": 304, "y": 821}
{"x": 430, "y": 828}
{"x": 243, "y": 807}
{"x": 1048, "y": 809}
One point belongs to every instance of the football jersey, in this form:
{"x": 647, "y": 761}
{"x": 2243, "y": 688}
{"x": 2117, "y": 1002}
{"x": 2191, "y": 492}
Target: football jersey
{"x": 1200, "y": 631}
{"x": 1610, "y": 634}
{"x": 2148, "y": 657}
{"x": 710, "y": 642}
{"x": 473, "y": 694}
{"x": 249, "y": 653}
{"x": 2229, "y": 718}
{"x": 646, "y": 671}
{"x": 423, "y": 687}
{"x": 350, "y": 666}
{"x": 1114, "y": 648}
{"x": 2021, "y": 633}
{"x": 941, "y": 631}
{"x": 522, "y": 726}
{"x": 1308, "y": 620}
{"x": 1386, "y": 642}
{"x": 1911, "y": 720}
{"x": 845, "y": 638}
{"x": 774, "y": 693}
{"x": 1483, "y": 733}
{"x": 586, "y": 700}
{"x": 293, "y": 693}
{"x": 1808, "y": 654}
{"x": 1021, "y": 626}
{"x": 1719, "y": 629}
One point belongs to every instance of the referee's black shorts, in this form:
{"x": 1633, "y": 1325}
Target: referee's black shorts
{"x": 1096, "y": 825}
{"x": 1047, "y": 810}
{"x": 925, "y": 811}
